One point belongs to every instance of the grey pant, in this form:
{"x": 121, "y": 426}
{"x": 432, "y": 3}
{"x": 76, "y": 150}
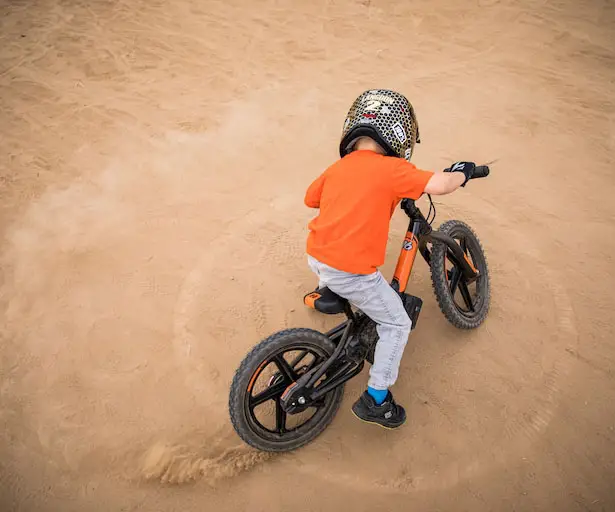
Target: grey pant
{"x": 375, "y": 297}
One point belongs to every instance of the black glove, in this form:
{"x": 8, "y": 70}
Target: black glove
{"x": 467, "y": 168}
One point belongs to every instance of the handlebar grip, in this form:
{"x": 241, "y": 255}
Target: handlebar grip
{"x": 481, "y": 171}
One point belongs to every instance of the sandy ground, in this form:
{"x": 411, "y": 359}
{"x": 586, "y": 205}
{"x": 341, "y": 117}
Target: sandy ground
{"x": 153, "y": 161}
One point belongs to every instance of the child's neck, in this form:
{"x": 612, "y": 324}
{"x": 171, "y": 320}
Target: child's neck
{"x": 367, "y": 144}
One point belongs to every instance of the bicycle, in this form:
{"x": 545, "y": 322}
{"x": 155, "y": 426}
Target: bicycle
{"x": 304, "y": 371}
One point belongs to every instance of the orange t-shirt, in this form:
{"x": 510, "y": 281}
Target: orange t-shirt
{"x": 357, "y": 196}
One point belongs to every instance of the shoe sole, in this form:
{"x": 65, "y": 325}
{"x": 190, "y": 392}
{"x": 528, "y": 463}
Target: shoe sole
{"x": 375, "y": 422}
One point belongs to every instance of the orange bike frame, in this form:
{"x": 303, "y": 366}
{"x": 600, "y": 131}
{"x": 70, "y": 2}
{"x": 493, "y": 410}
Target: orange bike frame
{"x": 406, "y": 258}
{"x": 418, "y": 235}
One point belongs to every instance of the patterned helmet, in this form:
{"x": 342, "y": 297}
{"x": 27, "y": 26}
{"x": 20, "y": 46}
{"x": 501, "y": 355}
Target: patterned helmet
{"x": 385, "y": 116}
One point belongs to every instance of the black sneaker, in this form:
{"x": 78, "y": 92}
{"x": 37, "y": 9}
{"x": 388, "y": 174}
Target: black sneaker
{"x": 388, "y": 414}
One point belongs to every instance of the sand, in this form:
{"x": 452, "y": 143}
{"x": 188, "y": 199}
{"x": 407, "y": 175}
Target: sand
{"x": 153, "y": 161}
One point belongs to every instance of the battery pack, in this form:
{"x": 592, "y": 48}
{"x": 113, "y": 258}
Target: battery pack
{"x": 413, "y": 307}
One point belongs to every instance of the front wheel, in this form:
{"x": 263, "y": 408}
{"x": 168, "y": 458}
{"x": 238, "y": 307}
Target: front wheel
{"x": 264, "y": 374}
{"x": 465, "y": 304}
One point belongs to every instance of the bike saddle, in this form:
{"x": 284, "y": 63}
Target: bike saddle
{"x": 325, "y": 301}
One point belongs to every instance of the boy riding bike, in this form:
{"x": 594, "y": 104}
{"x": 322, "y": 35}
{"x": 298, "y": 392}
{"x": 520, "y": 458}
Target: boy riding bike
{"x": 357, "y": 196}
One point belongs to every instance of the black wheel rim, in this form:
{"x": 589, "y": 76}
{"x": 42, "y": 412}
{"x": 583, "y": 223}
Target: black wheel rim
{"x": 286, "y": 370}
{"x": 468, "y": 297}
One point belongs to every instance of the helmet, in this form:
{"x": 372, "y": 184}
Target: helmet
{"x": 386, "y": 117}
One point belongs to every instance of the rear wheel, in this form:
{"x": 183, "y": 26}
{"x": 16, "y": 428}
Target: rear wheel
{"x": 465, "y": 303}
{"x": 265, "y": 373}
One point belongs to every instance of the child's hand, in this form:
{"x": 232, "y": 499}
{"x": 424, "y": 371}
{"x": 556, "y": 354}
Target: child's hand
{"x": 467, "y": 168}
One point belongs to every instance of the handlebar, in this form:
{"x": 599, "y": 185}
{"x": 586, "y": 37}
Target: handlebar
{"x": 408, "y": 205}
{"x": 481, "y": 171}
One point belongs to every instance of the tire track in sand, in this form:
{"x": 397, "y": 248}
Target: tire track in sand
{"x": 252, "y": 286}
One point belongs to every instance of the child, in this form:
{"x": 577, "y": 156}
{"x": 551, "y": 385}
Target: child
{"x": 357, "y": 196}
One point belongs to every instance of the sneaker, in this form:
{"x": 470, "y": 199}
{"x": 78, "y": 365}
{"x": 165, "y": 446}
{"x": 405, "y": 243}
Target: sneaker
{"x": 388, "y": 414}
